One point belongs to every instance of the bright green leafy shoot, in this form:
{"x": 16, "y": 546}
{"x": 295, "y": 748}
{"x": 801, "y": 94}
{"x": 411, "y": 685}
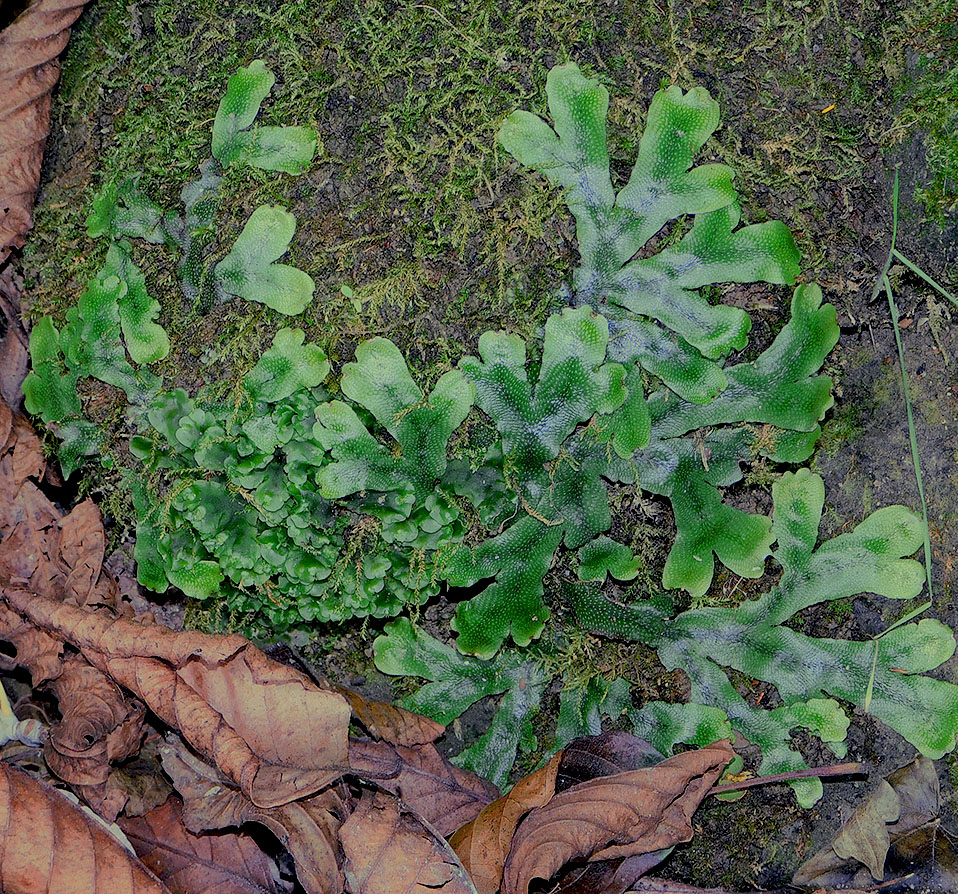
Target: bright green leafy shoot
{"x": 613, "y": 226}
{"x": 289, "y": 149}
{"x": 379, "y": 380}
{"x": 146, "y": 340}
{"x": 288, "y": 366}
{"x": 810, "y": 672}
{"x": 459, "y": 681}
{"x": 249, "y": 272}
{"x": 534, "y": 420}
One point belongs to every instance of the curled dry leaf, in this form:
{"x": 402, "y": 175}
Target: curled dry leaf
{"x": 589, "y": 757}
{"x": 389, "y": 851}
{"x": 388, "y": 722}
{"x": 61, "y": 557}
{"x": 82, "y": 544}
{"x": 28, "y": 72}
{"x": 483, "y": 844}
{"x": 50, "y": 844}
{"x": 903, "y": 804}
{"x": 271, "y": 731}
{"x": 136, "y": 787}
{"x": 40, "y": 549}
{"x": 14, "y": 344}
{"x": 628, "y": 813}
{"x": 308, "y": 829}
{"x": 223, "y": 863}
{"x": 444, "y": 795}
{"x": 99, "y": 727}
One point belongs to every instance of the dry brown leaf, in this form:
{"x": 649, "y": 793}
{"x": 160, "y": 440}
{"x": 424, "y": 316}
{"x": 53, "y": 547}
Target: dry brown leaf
{"x": 135, "y": 787}
{"x": 392, "y": 852}
{"x": 220, "y": 863}
{"x": 51, "y": 845}
{"x": 100, "y": 726}
{"x": 82, "y": 544}
{"x": 589, "y": 757}
{"x": 444, "y": 795}
{"x": 39, "y": 653}
{"x": 906, "y": 803}
{"x": 268, "y": 728}
{"x": 628, "y": 813}
{"x": 609, "y": 876}
{"x": 14, "y": 344}
{"x": 29, "y": 70}
{"x": 483, "y": 844}
{"x": 308, "y": 829}
{"x": 388, "y": 722}
{"x": 61, "y": 558}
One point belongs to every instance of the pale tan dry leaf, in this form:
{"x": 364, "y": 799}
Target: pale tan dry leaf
{"x": 628, "y": 813}
{"x": 483, "y": 844}
{"x": 272, "y": 732}
{"x": 444, "y": 795}
{"x": 221, "y": 863}
{"x": 308, "y": 829}
{"x": 388, "y": 722}
{"x": 100, "y": 725}
{"x": 391, "y": 852}
{"x": 864, "y": 836}
{"x": 29, "y": 70}
{"x": 51, "y": 845}
{"x": 905, "y": 803}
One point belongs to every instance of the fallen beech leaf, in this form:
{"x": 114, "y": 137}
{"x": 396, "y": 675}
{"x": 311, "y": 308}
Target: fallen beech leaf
{"x": 628, "y": 813}
{"x": 589, "y": 757}
{"x": 29, "y": 70}
{"x": 444, "y": 795}
{"x": 610, "y": 876}
{"x": 222, "y": 863}
{"x": 28, "y": 552}
{"x": 51, "y": 845}
{"x": 905, "y": 803}
{"x": 135, "y": 787}
{"x": 864, "y": 836}
{"x": 483, "y": 844}
{"x": 39, "y": 653}
{"x": 271, "y": 731}
{"x": 307, "y": 828}
{"x": 388, "y": 722}
{"x": 82, "y": 543}
{"x": 391, "y": 852}
{"x": 14, "y": 344}
{"x": 99, "y": 725}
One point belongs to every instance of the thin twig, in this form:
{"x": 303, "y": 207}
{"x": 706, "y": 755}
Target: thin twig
{"x": 848, "y": 769}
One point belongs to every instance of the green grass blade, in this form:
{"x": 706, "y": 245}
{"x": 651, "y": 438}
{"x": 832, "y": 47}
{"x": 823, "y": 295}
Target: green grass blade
{"x": 919, "y": 272}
